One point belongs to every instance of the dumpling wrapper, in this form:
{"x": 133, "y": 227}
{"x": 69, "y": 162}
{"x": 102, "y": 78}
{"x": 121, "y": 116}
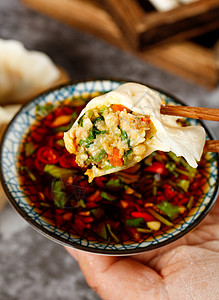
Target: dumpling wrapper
{"x": 22, "y": 72}
{"x": 187, "y": 142}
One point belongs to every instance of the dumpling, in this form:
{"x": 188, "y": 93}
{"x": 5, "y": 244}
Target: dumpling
{"x": 117, "y": 130}
{"x": 23, "y": 73}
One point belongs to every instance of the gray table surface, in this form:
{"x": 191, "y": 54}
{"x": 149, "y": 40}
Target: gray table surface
{"x": 32, "y": 266}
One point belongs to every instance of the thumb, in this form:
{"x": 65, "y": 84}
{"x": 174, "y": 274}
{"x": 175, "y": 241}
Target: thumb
{"x": 118, "y": 278}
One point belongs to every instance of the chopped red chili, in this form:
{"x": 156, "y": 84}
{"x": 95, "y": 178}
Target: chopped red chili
{"x": 146, "y": 216}
{"x": 156, "y": 167}
{"x": 48, "y": 155}
{"x": 68, "y": 161}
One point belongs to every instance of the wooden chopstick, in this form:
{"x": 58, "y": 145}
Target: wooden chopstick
{"x": 201, "y": 113}
{"x": 211, "y": 146}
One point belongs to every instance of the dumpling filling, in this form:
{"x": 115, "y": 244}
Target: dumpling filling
{"x": 109, "y": 137}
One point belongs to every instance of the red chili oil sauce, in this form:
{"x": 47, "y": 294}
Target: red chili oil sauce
{"x": 131, "y": 205}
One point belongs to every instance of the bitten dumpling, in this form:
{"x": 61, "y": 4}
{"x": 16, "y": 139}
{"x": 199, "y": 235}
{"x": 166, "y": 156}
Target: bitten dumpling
{"x": 117, "y": 130}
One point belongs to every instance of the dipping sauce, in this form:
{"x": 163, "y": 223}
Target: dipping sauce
{"x": 123, "y": 207}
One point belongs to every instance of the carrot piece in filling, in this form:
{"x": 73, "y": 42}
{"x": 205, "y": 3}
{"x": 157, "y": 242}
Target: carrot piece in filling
{"x": 119, "y": 107}
{"x": 115, "y": 158}
{"x": 146, "y": 119}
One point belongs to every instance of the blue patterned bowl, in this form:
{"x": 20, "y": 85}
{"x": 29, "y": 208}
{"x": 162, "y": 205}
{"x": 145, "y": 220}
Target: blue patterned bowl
{"x": 18, "y": 198}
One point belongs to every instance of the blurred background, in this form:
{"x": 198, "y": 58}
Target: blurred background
{"x": 171, "y": 45}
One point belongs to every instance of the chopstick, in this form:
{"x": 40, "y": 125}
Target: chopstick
{"x": 201, "y": 113}
{"x": 211, "y": 146}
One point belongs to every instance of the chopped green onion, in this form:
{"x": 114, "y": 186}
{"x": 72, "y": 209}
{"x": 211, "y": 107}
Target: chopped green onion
{"x": 172, "y": 211}
{"x": 62, "y": 128}
{"x": 128, "y": 152}
{"x": 90, "y": 137}
{"x": 188, "y": 174}
{"x": 115, "y": 183}
{"x": 108, "y": 196}
{"x": 88, "y": 145}
{"x": 87, "y": 162}
{"x": 60, "y": 142}
{"x": 82, "y": 142}
{"x": 102, "y": 109}
{"x": 170, "y": 166}
{"x": 80, "y": 121}
{"x": 57, "y": 172}
{"x": 190, "y": 203}
{"x": 59, "y": 196}
{"x": 129, "y": 144}
{"x": 107, "y": 166}
{"x": 154, "y": 191}
{"x": 159, "y": 217}
{"x": 134, "y": 222}
{"x": 31, "y": 175}
{"x": 181, "y": 161}
{"x": 101, "y": 231}
{"x": 45, "y": 204}
{"x": 88, "y": 140}
{"x": 89, "y": 113}
{"x": 29, "y": 148}
{"x": 144, "y": 230}
{"x": 99, "y": 156}
{"x": 124, "y": 135}
{"x": 112, "y": 234}
{"x": 97, "y": 131}
{"x": 81, "y": 203}
{"x": 74, "y": 115}
{"x": 97, "y": 212}
{"x": 127, "y": 155}
{"x": 44, "y": 110}
{"x": 101, "y": 118}
{"x": 175, "y": 158}
{"x": 192, "y": 171}
{"x": 184, "y": 185}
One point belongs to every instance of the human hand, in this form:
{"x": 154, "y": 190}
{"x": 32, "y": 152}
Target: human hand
{"x": 186, "y": 269}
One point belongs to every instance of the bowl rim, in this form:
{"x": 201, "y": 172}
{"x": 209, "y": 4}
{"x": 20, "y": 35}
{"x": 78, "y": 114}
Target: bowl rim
{"x": 64, "y": 242}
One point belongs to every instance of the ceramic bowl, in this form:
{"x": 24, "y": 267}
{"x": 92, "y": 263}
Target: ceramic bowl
{"x": 18, "y": 198}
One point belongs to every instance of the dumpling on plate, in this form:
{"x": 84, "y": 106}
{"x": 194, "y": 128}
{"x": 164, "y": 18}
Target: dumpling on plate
{"x": 120, "y": 128}
{"x": 23, "y": 73}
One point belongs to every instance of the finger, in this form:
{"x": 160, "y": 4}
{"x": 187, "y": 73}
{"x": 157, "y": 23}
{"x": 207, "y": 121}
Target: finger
{"x": 116, "y": 278}
{"x": 150, "y": 258}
